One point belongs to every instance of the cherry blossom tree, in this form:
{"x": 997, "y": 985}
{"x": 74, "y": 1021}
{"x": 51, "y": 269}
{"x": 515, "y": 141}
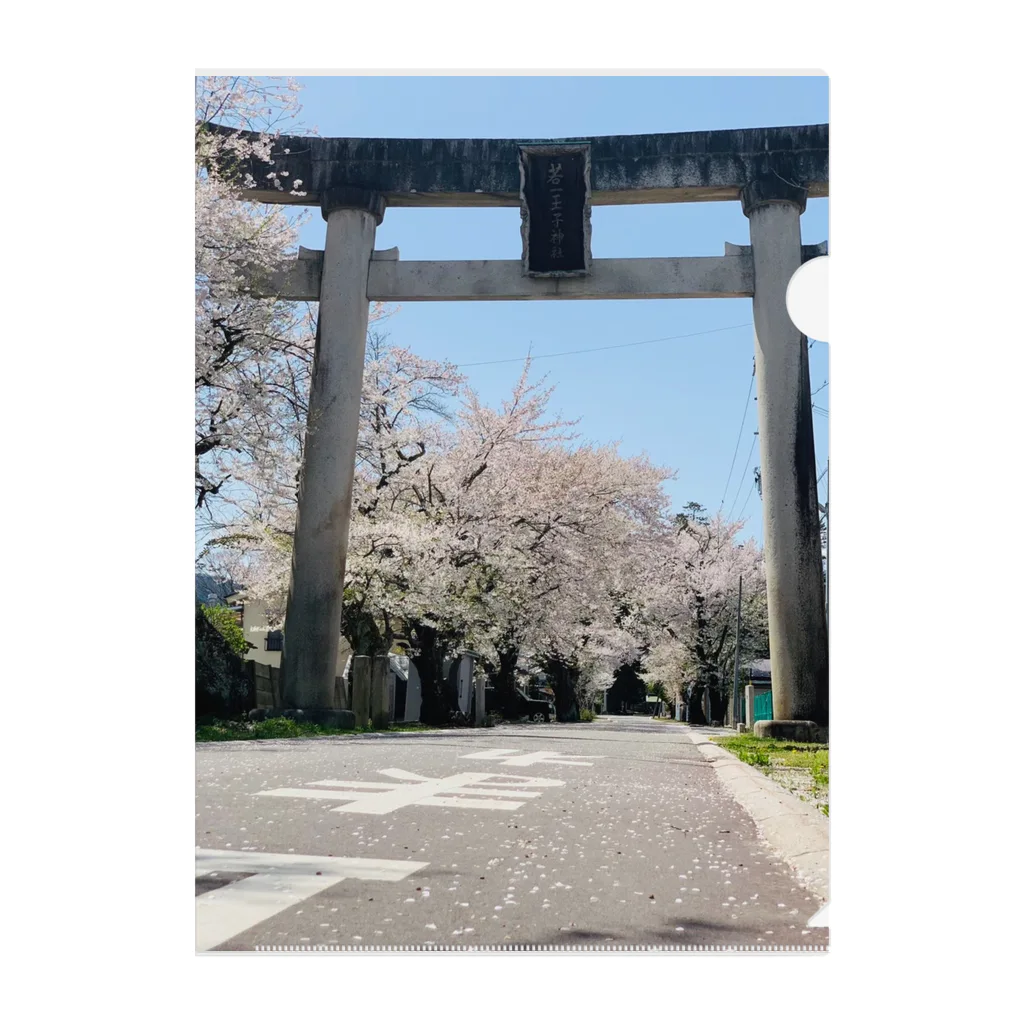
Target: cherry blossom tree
{"x": 691, "y": 609}
{"x": 404, "y": 419}
{"x": 253, "y": 355}
{"x": 549, "y": 523}
{"x": 485, "y": 527}
{"x": 402, "y": 403}
{"x": 463, "y": 496}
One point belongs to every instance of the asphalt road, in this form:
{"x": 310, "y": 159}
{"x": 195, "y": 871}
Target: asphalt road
{"x": 607, "y": 834}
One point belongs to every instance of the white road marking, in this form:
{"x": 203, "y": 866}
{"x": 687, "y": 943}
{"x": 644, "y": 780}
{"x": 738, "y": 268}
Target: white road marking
{"x": 460, "y": 801}
{"x": 422, "y": 791}
{"x": 234, "y": 908}
{"x": 354, "y": 785}
{"x": 310, "y": 794}
{"x": 537, "y": 757}
{"x": 367, "y": 869}
{"x": 401, "y": 773}
{"x": 480, "y": 791}
{"x": 520, "y": 780}
{"x": 278, "y": 881}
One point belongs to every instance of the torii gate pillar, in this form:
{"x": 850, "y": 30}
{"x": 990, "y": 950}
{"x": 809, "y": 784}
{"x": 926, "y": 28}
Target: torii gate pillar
{"x": 798, "y": 633}
{"x": 313, "y": 618}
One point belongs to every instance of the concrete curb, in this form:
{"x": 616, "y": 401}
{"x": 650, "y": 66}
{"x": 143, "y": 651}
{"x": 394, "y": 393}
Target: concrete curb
{"x": 797, "y": 832}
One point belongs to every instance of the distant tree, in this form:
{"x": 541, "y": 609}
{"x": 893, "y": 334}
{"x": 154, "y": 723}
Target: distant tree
{"x": 225, "y": 621}
{"x": 222, "y": 688}
{"x": 628, "y": 687}
{"x": 693, "y": 512}
{"x": 658, "y": 690}
{"x": 691, "y": 609}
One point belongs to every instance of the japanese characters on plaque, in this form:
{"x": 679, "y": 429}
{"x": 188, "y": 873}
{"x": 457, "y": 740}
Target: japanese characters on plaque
{"x": 555, "y": 203}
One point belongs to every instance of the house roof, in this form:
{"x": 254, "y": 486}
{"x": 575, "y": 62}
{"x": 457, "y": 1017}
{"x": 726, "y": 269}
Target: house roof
{"x": 760, "y": 669}
{"x": 210, "y": 590}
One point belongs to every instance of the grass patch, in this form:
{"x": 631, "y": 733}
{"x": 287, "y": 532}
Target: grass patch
{"x": 782, "y": 759}
{"x": 586, "y": 715}
{"x": 286, "y": 729}
{"x": 813, "y": 756}
{"x": 270, "y": 729}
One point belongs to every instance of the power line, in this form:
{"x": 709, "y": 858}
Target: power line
{"x": 754, "y": 484}
{"x": 747, "y": 502}
{"x": 742, "y": 475}
{"x": 606, "y": 348}
{"x": 818, "y": 408}
{"x": 732, "y": 465}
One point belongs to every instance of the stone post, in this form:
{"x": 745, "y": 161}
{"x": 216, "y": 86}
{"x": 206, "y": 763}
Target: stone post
{"x": 380, "y": 705}
{"x": 313, "y": 618}
{"x": 480, "y": 703}
{"x": 798, "y": 634}
{"x": 362, "y": 688}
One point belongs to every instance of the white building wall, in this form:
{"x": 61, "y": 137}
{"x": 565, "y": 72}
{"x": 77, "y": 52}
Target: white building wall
{"x": 413, "y": 695}
{"x": 256, "y": 627}
{"x": 464, "y": 680}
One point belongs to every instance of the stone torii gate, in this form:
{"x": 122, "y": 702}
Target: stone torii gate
{"x": 771, "y": 171}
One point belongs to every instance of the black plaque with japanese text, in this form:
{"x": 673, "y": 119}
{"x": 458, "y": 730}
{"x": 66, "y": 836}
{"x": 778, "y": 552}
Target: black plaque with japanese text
{"x": 555, "y": 195}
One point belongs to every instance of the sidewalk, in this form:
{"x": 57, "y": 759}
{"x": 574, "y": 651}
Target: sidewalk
{"x": 795, "y": 829}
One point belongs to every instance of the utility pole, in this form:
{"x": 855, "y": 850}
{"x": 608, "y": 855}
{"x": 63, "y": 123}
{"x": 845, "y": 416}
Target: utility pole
{"x": 828, "y": 537}
{"x": 736, "y": 667}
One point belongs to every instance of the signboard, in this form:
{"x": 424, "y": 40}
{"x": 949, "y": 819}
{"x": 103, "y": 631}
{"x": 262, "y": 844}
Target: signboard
{"x": 554, "y": 193}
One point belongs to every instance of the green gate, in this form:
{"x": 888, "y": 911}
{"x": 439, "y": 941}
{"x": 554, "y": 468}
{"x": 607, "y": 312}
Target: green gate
{"x": 763, "y": 706}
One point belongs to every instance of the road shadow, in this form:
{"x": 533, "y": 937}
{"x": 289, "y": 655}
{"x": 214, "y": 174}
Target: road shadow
{"x": 677, "y": 931}
{"x": 581, "y": 936}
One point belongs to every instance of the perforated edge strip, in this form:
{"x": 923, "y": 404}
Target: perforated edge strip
{"x": 604, "y": 948}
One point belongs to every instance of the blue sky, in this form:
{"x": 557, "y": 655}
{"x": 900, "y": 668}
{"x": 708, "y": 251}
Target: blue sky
{"x": 683, "y": 400}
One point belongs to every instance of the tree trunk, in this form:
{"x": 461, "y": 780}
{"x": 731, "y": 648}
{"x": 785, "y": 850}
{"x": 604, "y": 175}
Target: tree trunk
{"x": 719, "y": 704}
{"x": 696, "y": 705}
{"x": 564, "y": 678}
{"x": 362, "y": 633}
{"x": 627, "y": 689}
{"x": 436, "y": 707}
{"x": 505, "y": 682}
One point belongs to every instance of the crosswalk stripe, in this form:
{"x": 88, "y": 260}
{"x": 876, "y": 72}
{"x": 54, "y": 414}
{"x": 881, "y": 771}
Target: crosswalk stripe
{"x": 277, "y": 881}
{"x": 233, "y": 909}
